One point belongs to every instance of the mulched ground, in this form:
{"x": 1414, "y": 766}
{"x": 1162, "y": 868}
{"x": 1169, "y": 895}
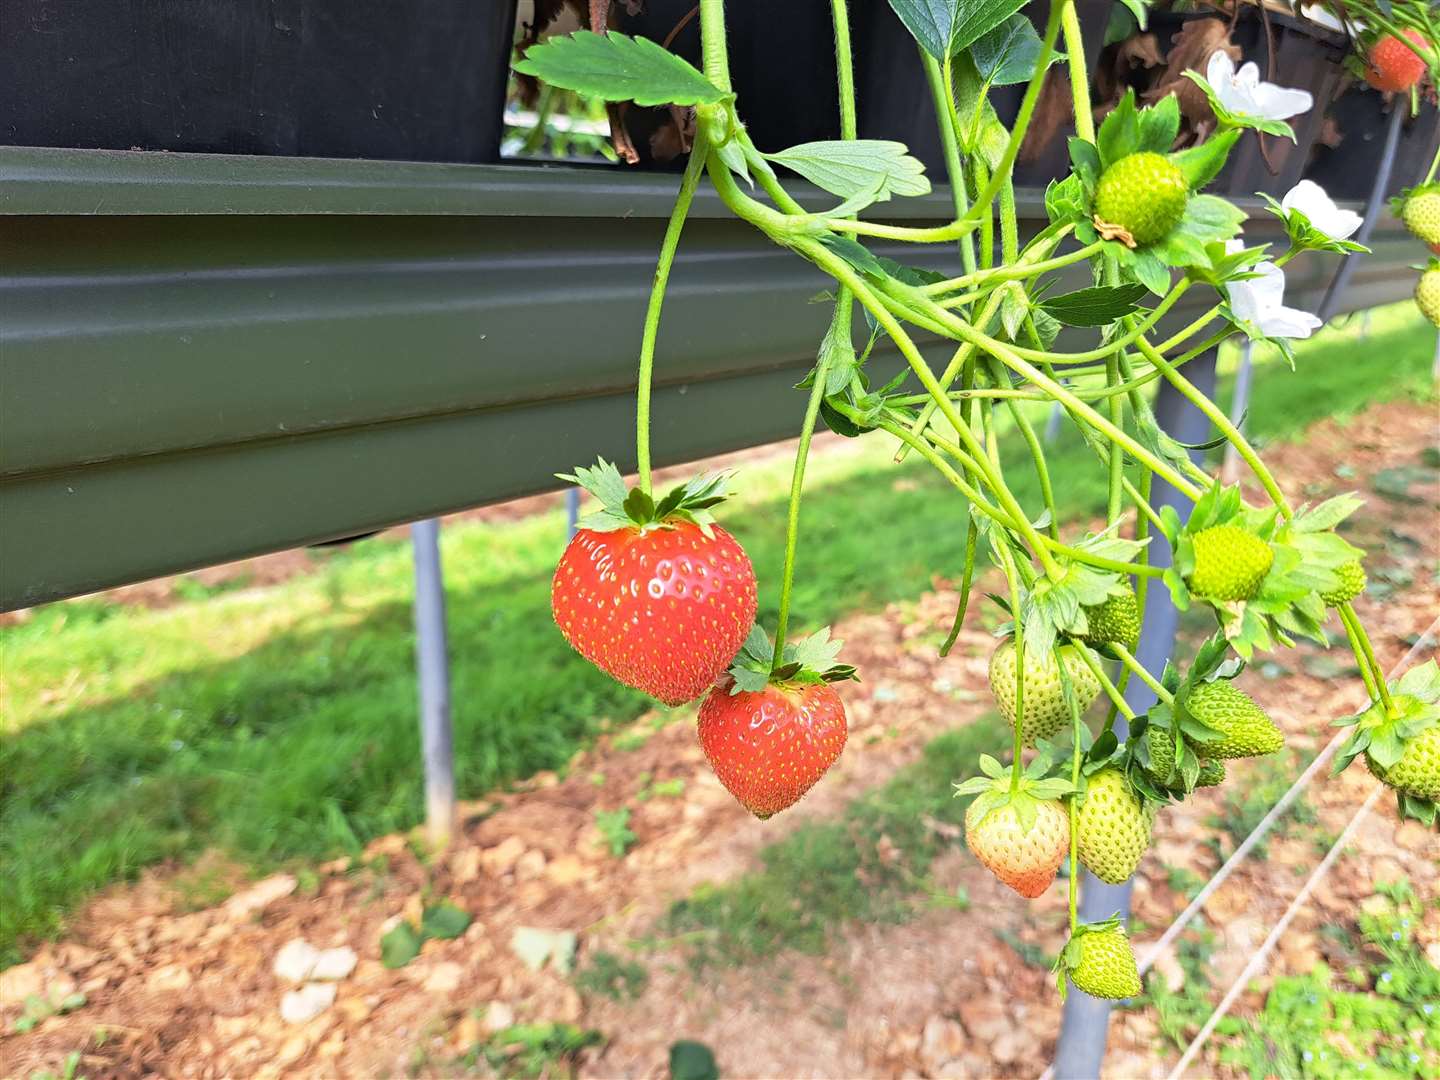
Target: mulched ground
{"x": 192, "y": 993}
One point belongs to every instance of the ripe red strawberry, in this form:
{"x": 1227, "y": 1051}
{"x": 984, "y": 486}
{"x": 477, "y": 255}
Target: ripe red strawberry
{"x": 1392, "y": 65}
{"x": 654, "y": 595}
{"x": 771, "y": 734}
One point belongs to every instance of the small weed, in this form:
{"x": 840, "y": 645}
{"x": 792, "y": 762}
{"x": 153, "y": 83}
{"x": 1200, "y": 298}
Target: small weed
{"x": 617, "y": 979}
{"x": 663, "y": 789}
{"x": 528, "y": 1051}
{"x": 1033, "y": 955}
{"x": 68, "y": 1071}
{"x": 614, "y": 826}
{"x": 37, "y": 1008}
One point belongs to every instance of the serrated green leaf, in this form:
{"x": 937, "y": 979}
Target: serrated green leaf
{"x": 944, "y": 27}
{"x": 1098, "y": 305}
{"x": 1201, "y": 164}
{"x": 854, "y": 253}
{"x": 856, "y": 167}
{"x": 1159, "y": 124}
{"x": 1008, "y": 53}
{"x": 1119, "y": 134}
{"x": 617, "y": 67}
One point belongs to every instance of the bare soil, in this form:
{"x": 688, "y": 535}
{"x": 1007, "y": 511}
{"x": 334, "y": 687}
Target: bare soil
{"x": 192, "y": 993}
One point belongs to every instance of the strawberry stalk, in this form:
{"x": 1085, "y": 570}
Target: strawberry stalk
{"x": 688, "y": 183}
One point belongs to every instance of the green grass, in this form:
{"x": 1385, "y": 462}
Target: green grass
{"x": 279, "y": 723}
{"x": 868, "y": 864}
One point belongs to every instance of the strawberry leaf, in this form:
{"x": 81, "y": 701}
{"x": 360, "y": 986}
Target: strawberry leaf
{"x": 617, "y": 67}
{"x": 871, "y": 170}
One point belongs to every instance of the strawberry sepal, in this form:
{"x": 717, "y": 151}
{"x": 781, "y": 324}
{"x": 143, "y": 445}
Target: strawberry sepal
{"x": 633, "y": 508}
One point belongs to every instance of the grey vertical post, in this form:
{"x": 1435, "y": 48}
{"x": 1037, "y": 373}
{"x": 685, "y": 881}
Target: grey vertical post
{"x": 1052, "y": 423}
{"x": 1081, "y": 1048}
{"x": 572, "y": 511}
{"x": 433, "y": 664}
{"x": 1373, "y": 209}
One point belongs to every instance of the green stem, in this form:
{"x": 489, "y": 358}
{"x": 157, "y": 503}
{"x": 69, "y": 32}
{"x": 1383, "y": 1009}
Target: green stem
{"x": 712, "y": 43}
{"x": 1013, "y": 272}
{"x": 797, "y": 485}
{"x": 967, "y": 579}
{"x": 844, "y": 67}
{"x": 691, "y": 179}
{"x": 950, "y": 148}
{"x": 1079, "y": 77}
{"x": 1009, "y": 227}
{"x": 1117, "y": 455}
{"x": 1361, "y": 660}
{"x": 1144, "y": 676}
{"x": 1111, "y": 690}
{"x": 1037, "y": 452}
{"x": 841, "y": 271}
{"x": 1357, "y": 629}
{"x": 1017, "y": 769}
{"x": 1220, "y": 420}
{"x": 987, "y": 223}
{"x": 1022, "y": 118}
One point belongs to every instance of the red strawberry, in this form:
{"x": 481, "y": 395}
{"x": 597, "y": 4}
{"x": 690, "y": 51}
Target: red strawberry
{"x": 1393, "y": 66}
{"x": 771, "y": 734}
{"x": 654, "y": 595}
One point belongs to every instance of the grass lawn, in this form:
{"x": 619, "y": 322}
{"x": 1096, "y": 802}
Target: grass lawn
{"x": 280, "y": 723}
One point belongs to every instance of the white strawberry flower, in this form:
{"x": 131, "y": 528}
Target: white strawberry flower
{"x": 1260, "y": 302}
{"x": 1310, "y": 199}
{"x": 1243, "y": 92}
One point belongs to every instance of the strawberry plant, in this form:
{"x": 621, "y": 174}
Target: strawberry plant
{"x": 656, "y": 593}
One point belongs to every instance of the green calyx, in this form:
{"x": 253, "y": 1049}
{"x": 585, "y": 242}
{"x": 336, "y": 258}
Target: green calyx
{"x": 1140, "y": 198}
{"x": 810, "y": 660}
{"x": 997, "y": 787}
{"x": 1098, "y": 959}
{"x": 633, "y": 508}
{"x": 1402, "y": 748}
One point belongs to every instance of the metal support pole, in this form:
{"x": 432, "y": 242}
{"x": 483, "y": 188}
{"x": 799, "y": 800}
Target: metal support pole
{"x": 572, "y": 511}
{"x": 1052, "y": 423}
{"x": 1373, "y": 209}
{"x": 1081, "y": 1047}
{"x": 433, "y": 664}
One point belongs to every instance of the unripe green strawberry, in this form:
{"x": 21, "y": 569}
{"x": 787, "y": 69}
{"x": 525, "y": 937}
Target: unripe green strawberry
{"x": 1046, "y": 713}
{"x": 1422, "y": 215}
{"x": 1352, "y": 584}
{"x": 1417, "y": 772}
{"x": 1427, "y": 294}
{"x": 1230, "y": 563}
{"x": 1144, "y": 194}
{"x": 1246, "y": 730}
{"x": 1024, "y": 859}
{"x": 1107, "y": 967}
{"x": 1117, "y": 620}
{"x": 1113, "y": 828}
{"x": 1212, "y": 773}
{"x": 1161, "y": 744}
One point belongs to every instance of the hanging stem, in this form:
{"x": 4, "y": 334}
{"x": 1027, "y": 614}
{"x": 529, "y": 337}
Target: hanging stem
{"x": 1112, "y": 691}
{"x": 1217, "y": 417}
{"x": 1139, "y": 669}
{"x": 1356, "y": 629}
{"x": 1362, "y": 660}
{"x": 950, "y": 148}
{"x": 688, "y": 182}
{"x": 1079, "y": 77}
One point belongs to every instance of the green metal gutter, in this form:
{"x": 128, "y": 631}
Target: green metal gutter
{"x": 204, "y": 358}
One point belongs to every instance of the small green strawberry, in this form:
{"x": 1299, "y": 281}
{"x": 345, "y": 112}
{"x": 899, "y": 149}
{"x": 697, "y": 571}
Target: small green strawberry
{"x": 1116, "y": 620}
{"x": 1417, "y": 772}
{"x": 1244, "y": 728}
{"x": 1143, "y": 195}
{"x": 1352, "y": 584}
{"x": 1212, "y": 773}
{"x": 1160, "y": 742}
{"x": 1422, "y": 214}
{"x": 1230, "y": 563}
{"x": 1427, "y": 294}
{"x": 1046, "y": 713}
{"x": 1113, "y": 827}
{"x": 1099, "y": 960}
